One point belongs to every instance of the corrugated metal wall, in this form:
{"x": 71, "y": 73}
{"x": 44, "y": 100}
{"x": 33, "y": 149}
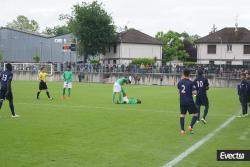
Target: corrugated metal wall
{"x": 18, "y": 46}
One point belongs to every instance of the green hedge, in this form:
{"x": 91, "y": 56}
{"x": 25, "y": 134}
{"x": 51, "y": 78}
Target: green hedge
{"x": 144, "y": 61}
{"x": 94, "y": 61}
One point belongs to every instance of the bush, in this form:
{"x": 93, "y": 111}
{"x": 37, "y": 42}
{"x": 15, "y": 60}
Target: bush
{"x": 144, "y": 61}
{"x": 36, "y": 58}
{"x": 189, "y": 63}
{"x": 1, "y": 56}
{"x": 94, "y": 61}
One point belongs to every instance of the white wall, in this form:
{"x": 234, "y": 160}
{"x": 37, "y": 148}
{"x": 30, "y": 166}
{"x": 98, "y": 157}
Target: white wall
{"x": 129, "y": 51}
{"x": 236, "y": 56}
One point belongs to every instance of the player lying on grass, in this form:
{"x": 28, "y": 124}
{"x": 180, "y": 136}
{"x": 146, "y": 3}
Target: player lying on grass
{"x": 186, "y": 90}
{"x": 67, "y": 78}
{"x": 118, "y": 91}
{"x": 127, "y": 100}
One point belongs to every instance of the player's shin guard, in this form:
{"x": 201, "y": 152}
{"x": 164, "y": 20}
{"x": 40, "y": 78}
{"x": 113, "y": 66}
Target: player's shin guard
{"x": 205, "y": 112}
{"x": 48, "y": 94}
{"x": 113, "y": 97}
{"x": 182, "y": 123}
{"x": 11, "y": 105}
{"x": 63, "y": 91}
{"x": 120, "y": 97}
{"x": 69, "y": 91}
{"x": 198, "y": 110}
{"x": 194, "y": 119}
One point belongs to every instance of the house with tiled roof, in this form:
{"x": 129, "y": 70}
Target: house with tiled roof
{"x": 131, "y": 44}
{"x": 229, "y": 46}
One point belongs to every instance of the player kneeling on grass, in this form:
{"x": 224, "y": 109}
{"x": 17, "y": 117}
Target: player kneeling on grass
{"x": 118, "y": 91}
{"x": 186, "y": 90}
{"x": 67, "y": 78}
{"x": 127, "y": 100}
{"x": 6, "y": 91}
{"x": 42, "y": 84}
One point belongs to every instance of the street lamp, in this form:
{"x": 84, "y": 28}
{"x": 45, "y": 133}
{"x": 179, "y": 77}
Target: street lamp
{"x": 220, "y": 51}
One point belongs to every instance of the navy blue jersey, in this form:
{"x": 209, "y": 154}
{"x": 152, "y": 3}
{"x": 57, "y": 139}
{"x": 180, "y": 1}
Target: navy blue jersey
{"x": 243, "y": 88}
{"x": 202, "y": 86}
{"x": 186, "y": 87}
{"x": 6, "y": 76}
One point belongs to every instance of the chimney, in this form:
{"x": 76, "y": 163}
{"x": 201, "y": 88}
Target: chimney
{"x": 236, "y": 27}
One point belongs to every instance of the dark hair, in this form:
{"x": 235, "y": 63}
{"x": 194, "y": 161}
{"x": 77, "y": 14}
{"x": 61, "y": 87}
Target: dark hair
{"x": 42, "y": 68}
{"x": 9, "y": 67}
{"x": 186, "y": 72}
{"x": 200, "y": 72}
{"x": 243, "y": 74}
{"x": 69, "y": 67}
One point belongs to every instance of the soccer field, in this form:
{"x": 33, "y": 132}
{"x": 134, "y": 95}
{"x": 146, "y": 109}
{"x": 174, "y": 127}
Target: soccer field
{"x": 88, "y": 130}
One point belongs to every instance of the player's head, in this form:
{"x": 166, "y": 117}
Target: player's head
{"x": 186, "y": 73}
{"x": 9, "y": 67}
{"x": 68, "y": 68}
{"x": 242, "y": 75}
{"x": 248, "y": 75}
{"x": 42, "y": 69}
{"x": 199, "y": 72}
{"x": 138, "y": 101}
{"x": 129, "y": 79}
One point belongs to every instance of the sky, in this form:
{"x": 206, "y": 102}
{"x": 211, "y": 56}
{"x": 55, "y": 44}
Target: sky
{"x": 148, "y": 16}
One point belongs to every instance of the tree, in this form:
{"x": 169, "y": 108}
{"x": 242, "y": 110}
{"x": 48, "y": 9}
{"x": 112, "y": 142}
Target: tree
{"x": 1, "y": 56}
{"x": 93, "y": 27}
{"x": 57, "y": 30}
{"x": 23, "y": 23}
{"x": 189, "y": 45}
{"x": 173, "y": 47}
{"x": 36, "y": 58}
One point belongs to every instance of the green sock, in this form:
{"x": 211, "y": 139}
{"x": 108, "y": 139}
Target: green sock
{"x": 120, "y": 97}
{"x": 113, "y": 97}
{"x": 68, "y": 91}
{"x": 63, "y": 91}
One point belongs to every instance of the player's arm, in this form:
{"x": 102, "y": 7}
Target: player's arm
{"x": 63, "y": 77}
{"x": 8, "y": 87}
{"x": 179, "y": 87}
{"x": 238, "y": 89}
{"x": 40, "y": 77}
{"x": 49, "y": 75}
{"x": 194, "y": 91}
{"x": 206, "y": 84}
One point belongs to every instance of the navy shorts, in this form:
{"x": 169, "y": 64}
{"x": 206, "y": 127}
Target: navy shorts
{"x": 202, "y": 101}
{"x": 191, "y": 109}
{"x": 9, "y": 96}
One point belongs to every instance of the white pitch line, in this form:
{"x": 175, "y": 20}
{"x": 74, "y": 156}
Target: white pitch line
{"x": 198, "y": 144}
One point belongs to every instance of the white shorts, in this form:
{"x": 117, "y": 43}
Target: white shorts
{"x": 67, "y": 85}
{"x": 117, "y": 88}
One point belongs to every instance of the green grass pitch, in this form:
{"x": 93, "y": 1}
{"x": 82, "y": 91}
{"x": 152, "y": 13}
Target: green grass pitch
{"x": 88, "y": 130}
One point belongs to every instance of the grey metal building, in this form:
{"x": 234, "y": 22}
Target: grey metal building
{"x": 22, "y": 46}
